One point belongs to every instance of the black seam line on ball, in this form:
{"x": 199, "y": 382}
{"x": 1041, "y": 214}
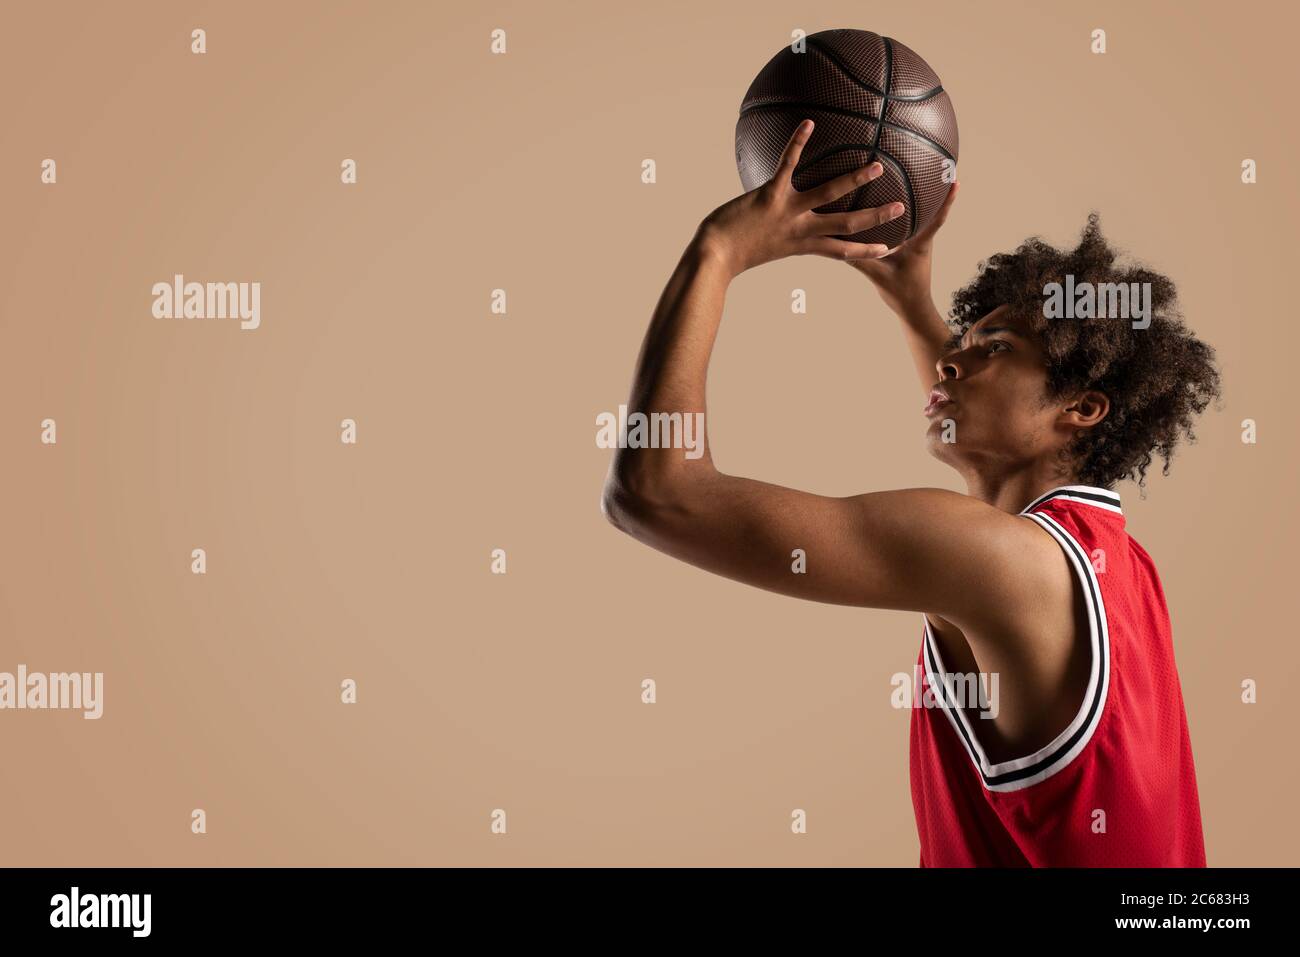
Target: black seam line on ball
{"x": 884, "y": 100}
{"x": 884, "y": 112}
{"x": 911, "y": 197}
{"x": 839, "y": 64}
{"x": 856, "y": 114}
{"x": 916, "y": 97}
{"x": 902, "y": 173}
{"x": 853, "y": 78}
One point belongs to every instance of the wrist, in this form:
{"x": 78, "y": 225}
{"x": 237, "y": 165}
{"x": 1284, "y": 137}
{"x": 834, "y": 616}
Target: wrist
{"x": 709, "y": 249}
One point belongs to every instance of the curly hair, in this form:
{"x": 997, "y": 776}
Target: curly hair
{"x": 1158, "y": 378}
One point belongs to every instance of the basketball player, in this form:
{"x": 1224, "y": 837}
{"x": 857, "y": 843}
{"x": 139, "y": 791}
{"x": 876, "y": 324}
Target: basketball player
{"x": 1029, "y": 576}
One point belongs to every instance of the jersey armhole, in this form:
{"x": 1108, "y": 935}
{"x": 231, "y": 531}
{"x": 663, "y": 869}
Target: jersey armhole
{"x": 1019, "y": 773}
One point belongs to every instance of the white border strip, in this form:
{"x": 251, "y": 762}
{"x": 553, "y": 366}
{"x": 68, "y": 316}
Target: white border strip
{"x": 1112, "y": 503}
{"x": 1099, "y": 635}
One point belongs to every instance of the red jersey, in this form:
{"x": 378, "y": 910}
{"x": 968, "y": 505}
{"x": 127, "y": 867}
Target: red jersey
{"x": 1117, "y": 787}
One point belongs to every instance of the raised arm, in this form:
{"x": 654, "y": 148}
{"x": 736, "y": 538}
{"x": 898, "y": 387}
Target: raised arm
{"x": 903, "y": 280}
{"x": 919, "y": 549}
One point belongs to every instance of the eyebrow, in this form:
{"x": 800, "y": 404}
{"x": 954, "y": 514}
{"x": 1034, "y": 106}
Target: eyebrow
{"x": 957, "y": 337}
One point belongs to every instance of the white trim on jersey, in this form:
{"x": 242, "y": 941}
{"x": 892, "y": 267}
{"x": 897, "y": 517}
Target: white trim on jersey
{"x": 1018, "y": 773}
{"x": 1084, "y": 494}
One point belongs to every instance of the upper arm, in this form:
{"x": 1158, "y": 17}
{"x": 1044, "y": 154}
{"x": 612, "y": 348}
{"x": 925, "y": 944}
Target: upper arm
{"x": 925, "y": 550}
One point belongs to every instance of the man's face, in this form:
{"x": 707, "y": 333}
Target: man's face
{"x": 989, "y": 410}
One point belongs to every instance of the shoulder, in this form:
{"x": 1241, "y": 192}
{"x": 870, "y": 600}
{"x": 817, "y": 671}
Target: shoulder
{"x": 968, "y": 527}
{"x": 982, "y": 564}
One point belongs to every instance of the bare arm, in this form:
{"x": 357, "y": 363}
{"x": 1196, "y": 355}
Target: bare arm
{"x": 918, "y": 549}
{"x": 903, "y": 280}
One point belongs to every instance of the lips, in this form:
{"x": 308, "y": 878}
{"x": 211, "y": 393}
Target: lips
{"x": 938, "y": 399}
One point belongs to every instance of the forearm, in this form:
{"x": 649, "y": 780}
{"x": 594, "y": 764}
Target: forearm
{"x": 925, "y": 333}
{"x": 904, "y": 287}
{"x": 903, "y": 281}
{"x": 672, "y": 373}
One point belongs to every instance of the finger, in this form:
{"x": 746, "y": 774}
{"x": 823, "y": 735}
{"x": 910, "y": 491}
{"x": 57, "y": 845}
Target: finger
{"x": 876, "y": 265}
{"x": 790, "y": 155}
{"x": 833, "y": 189}
{"x": 843, "y": 249}
{"x": 845, "y": 224}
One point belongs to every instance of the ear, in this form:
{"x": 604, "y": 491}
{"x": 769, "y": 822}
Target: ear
{"x": 1086, "y": 410}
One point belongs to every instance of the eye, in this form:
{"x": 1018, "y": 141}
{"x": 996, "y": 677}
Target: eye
{"x": 993, "y": 344}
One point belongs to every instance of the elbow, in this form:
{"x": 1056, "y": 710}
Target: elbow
{"x": 613, "y": 505}
{"x": 641, "y": 507}
{"x": 651, "y": 497}
{"x": 628, "y": 508}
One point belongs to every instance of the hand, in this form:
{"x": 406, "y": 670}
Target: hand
{"x": 775, "y": 220}
{"x": 902, "y": 276}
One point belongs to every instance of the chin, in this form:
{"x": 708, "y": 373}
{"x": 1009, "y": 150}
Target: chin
{"x": 945, "y": 452}
{"x": 937, "y": 447}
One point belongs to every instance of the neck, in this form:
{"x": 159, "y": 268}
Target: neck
{"x": 1011, "y": 492}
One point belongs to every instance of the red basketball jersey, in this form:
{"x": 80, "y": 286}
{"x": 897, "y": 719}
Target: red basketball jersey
{"x": 1117, "y": 787}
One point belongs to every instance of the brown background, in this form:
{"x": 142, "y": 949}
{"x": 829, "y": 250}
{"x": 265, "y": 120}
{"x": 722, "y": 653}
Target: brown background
{"x": 476, "y": 431}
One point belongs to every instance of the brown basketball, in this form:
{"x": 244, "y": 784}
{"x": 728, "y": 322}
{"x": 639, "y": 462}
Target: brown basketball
{"x": 870, "y": 98}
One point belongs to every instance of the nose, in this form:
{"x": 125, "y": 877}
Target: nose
{"x": 948, "y": 367}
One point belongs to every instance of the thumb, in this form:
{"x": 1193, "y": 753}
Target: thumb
{"x": 941, "y": 216}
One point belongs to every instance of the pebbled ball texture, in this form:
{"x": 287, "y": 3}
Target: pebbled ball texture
{"x": 870, "y": 98}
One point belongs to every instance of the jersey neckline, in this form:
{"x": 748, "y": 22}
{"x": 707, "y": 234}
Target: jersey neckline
{"x": 1093, "y": 495}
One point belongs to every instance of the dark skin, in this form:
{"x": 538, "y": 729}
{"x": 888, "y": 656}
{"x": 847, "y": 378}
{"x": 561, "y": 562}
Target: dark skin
{"x": 995, "y": 586}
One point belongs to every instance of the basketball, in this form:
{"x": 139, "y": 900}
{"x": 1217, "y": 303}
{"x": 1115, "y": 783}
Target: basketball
{"x": 870, "y": 98}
